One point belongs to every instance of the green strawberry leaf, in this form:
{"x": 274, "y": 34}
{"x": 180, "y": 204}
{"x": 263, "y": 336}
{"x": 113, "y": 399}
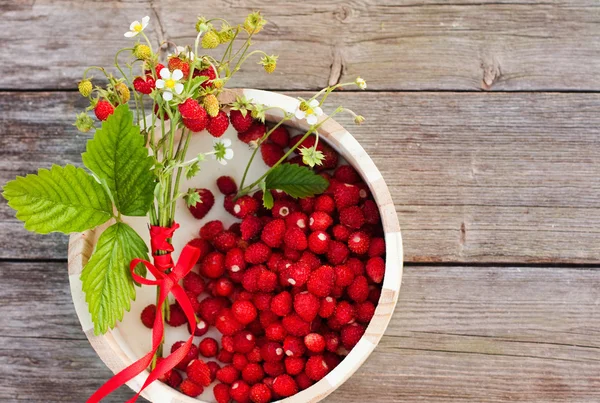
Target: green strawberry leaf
{"x": 106, "y": 280}
{"x": 267, "y": 196}
{"x": 118, "y": 155}
{"x": 297, "y": 181}
{"x": 59, "y": 200}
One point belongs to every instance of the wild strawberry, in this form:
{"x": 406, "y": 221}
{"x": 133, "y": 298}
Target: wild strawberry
{"x": 275, "y": 332}
{"x": 228, "y": 344}
{"x": 213, "y": 265}
{"x": 262, "y": 300}
{"x": 253, "y": 373}
{"x": 201, "y": 209}
{"x": 374, "y": 295}
{"x": 190, "y": 388}
{"x": 225, "y": 241}
{"x": 191, "y": 355}
{"x": 291, "y": 254}
{"x": 195, "y": 125}
{"x": 306, "y": 306}
{"x": 346, "y": 174}
{"x": 267, "y": 281}
{"x": 210, "y": 308}
{"x": 244, "y": 206}
{"x": 240, "y": 392}
{"x": 244, "y": 311}
{"x": 358, "y": 291}
{"x": 365, "y": 312}
{"x": 260, "y": 393}
{"x": 194, "y": 283}
{"x": 338, "y": 253}
{"x": 226, "y": 185}
{"x": 281, "y": 304}
{"x": 240, "y": 122}
{"x": 228, "y": 374}
{"x": 319, "y": 221}
{"x": 148, "y": 315}
{"x": 207, "y": 72}
{"x": 332, "y": 360}
{"x": 211, "y": 229}
{"x": 294, "y": 365}
{"x": 274, "y": 368}
{"x": 176, "y": 317}
{"x": 295, "y": 325}
{"x": 359, "y": 242}
{"x": 198, "y": 372}
{"x": 352, "y": 217}
{"x": 271, "y": 153}
{"x": 225, "y": 356}
{"x": 243, "y": 342}
{"x": 174, "y": 380}
{"x": 327, "y": 307}
{"x": 239, "y": 361}
{"x": 144, "y": 85}
{"x": 356, "y": 265}
{"x": 310, "y": 259}
{"x": 221, "y": 393}
{"x": 344, "y": 313}
{"x": 297, "y": 274}
{"x": 273, "y": 233}
{"x": 227, "y": 324}
{"x": 316, "y": 368}
{"x": 217, "y": 125}
{"x": 282, "y": 208}
{"x": 295, "y": 239}
{"x": 314, "y": 342}
{"x": 254, "y": 355}
{"x": 176, "y": 63}
{"x": 257, "y": 253}
{"x": 285, "y": 386}
{"x": 191, "y": 109}
{"x": 297, "y": 219}
{"x": 103, "y": 110}
{"x": 325, "y": 204}
{"x": 371, "y": 212}
{"x": 321, "y": 281}
{"x": 294, "y": 346}
{"x": 341, "y": 232}
{"x": 318, "y": 242}
{"x": 375, "y": 269}
{"x": 330, "y": 159}
{"x": 377, "y": 247}
{"x": 203, "y": 245}
{"x": 343, "y": 276}
{"x": 303, "y": 381}
{"x": 351, "y": 334}
{"x": 346, "y": 196}
{"x": 271, "y": 351}
{"x": 250, "y": 278}
{"x": 280, "y": 136}
{"x": 253, "y": 134}
{"x": 223, "y": 287}
{"x": 234, "y": 260}
{"x": 201, "y": 327}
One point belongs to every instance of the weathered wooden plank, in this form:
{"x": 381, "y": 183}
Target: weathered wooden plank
{"x": 503, "y": 177}
{"x": 467, "y": 45}
{"x": 478, "y": 334}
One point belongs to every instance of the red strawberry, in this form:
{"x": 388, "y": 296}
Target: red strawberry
{"x": 374, "y": 295}
{"x": 213, "y": 265}
{"x": 214, "y": 367}
{"x": 103, "y": 110}
{"x": 260, "y": 393}
{"x": 210, "y": 229}
{"x": 223, "y": 287}
{"x": 346, "y": 174}
{"x": 359, "y": 242}
{"x": 144, "y": 86}
{"x": 253, "y": 134}
{"x": 244, "y": 206}
{"x": 318, "y": 242}
{"x": 221, "y": 392}
{"x": 218, "y": 125}
{"x": 327, "y": 307}
{"x": 202, "y": 244}
{"x": 341, "y": 232}
{"x": 240, "y": 122}
{"x": 253, "y": 373}
{"x": 250, "y": 278}
{"x": 310, "y": 259}
{"x": 356, "y": 265}
{"x": 337, "y": 253}
{"x": 344, "y": 313}
{"x": 294, "y": 346}
{"x": 148, "y": 315}
{"x": 196, "y": 125}
{"x": 201, "y": 327}
{"x": 377, "y": 247}
{"x": 207, "y": 72}
{"x": 234, "y": 260}
{"x": 358, "y": 291}
{"x": 307, "y": 306}
{"x": 224, "y": 241}
{"x": 194, "y": 283}
{"x": 243, "y": 342}
{"x": 273, "y": 233}
{"x": 190, "y": 388}
{"x": 314, "y": 342}
{"x": 295, "y": 325}
{"x": 227, "y": 324}
{"x": 351, "y": 334}
{"x": 201, "y": 209}
{"x": 297, "y": 274}
{"x": 371, "y": 212}
{"x": 210, "y": 308}
{"x": 295, "y": 239}
{"x": 174, "y": 379}
{"x": 262, "y": 300}
{"x": 325, "y": 203}
{"x": 239, "y": 361}
{"x": 228, "y": 374}
{"x": 375, "y": 269}
{"x": 251, "y": 227}
{"x": 240, "y": 392}
{"x": 191, "y": 355}
{"x": 319, "y": 221}
{"x": 346, "y": 196}
{"x": 316, "y": 368}
{"x": 294, "y": 365}
{"x": 365, "y": 312}
{"x": 321, "y": 281}
{"x": 176, "y": 317}
{"x": 175, "y": 63}
{"x": 285, "y": 386}
{"x": 344, "y": 276}
{"x": 282, "y": 208}
{"x": 271, "y": 153}
{"x": 244, "y": 311}
{"x": 281, "y": 304}
{"x": 257, "y": 253}
{"x": 275, "y": 332}
{"x": 303, "y": 381}
{"x": 271, "y": 351}
{"x": 191, "y": 109}
{"x": 225, "y": 357}
{"x": 267, "y": 281}
{"x": 198, "y": 372}
{"x": 226, "y": 185}
{"x": 280, "y": 136}
{"x": 156, "y": 70}
{"x": 352, "y": 217}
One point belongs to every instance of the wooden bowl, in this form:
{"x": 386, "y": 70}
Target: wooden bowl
{"x": 127, "y": 342}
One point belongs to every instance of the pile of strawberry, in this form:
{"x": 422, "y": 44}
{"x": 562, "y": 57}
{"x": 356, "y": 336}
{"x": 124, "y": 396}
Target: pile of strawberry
{"x": 290, "y": 289}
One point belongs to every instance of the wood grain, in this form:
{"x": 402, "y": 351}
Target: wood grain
{"x": 410, "y": 45}
{"x": 498, "y": 177}
{"x": 477, "y": 334}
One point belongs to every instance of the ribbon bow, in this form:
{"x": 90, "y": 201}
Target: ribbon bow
{"x": 167, "y": 283}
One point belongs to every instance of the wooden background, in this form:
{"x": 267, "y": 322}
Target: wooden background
{"x": 483, "y": 117}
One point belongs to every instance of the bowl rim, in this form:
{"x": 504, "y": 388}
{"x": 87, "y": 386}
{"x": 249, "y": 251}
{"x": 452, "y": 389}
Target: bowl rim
{"x": 110, "y": 346}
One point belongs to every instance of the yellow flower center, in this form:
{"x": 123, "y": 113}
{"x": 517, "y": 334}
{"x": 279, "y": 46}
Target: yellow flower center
{"x": 304, "y": 107}
{"x": 138, "y": 27}
{"x": 170, "y": 83}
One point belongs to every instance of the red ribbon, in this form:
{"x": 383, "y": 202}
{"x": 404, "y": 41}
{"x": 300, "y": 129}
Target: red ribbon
{"x": 167, "y": 283}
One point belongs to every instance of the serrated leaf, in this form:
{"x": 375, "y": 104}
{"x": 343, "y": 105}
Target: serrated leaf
{"x": 59, "y": 200}
{"x": 117, "y": 154}
{"x": 297, "y": 181}
{"x": 106, "y": 280}
{"x": 268, "y": 200}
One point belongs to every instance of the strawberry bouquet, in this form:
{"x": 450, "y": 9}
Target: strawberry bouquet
{"x": 290, "y": 286}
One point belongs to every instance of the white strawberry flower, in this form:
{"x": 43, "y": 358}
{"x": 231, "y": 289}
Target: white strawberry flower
{"x": 136, "y": 27}
{"x": 169, "y": 83}
{"x": 309, "y": 110}
{"x": 183, "y": 51}
{"x": 362, "y": 84}
{"x": 222, "y": 152}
